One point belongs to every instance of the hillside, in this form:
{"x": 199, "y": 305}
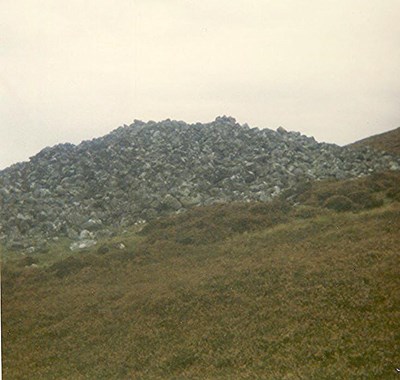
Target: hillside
{"x": 205, "y": 251}
{"x": 145, "y": 170}
{"x": 388, "y": 141}
{"x": 306, "y": 286}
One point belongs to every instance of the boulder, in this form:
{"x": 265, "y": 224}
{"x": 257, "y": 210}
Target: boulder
{"x": 82, "y": 244}
{"x": 171, "y": 203}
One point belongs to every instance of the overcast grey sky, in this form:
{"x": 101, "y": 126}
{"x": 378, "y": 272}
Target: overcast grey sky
{"x": 76, "y": 69}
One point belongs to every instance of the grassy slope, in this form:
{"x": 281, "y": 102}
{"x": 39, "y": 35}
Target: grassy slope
{"x": 388, "y": 141}
{"x": 235, "y": 291}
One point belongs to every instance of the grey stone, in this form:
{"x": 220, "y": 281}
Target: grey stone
{"x": 394, "y": 165}
{"x": 298, "y": 172}
{"x": 191, "y": 200}
{"x": 85, "y": 235}
{"x": 281, "y": 130}
{"x": 72, "y": 234}
{"x": 82, "y": 244}
{"x": 93, "y": 224}
{"x": 171, "y": 203}
{"x": 145, "y": 170}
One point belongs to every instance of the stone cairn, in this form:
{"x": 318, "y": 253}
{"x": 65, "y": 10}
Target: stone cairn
{"x": 141, "y": 171}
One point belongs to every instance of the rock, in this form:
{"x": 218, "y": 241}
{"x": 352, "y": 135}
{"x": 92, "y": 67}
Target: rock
{"x": 395, "y": 165}
{"x": 105, "y": 233}
{"x": 23, "y": 217}
{"x": 171, "y": 203}
{"x": 281, "y": 130}
{"x": 93, "y": 224}
{"x": 82, "y": 244}
{"x": 86, "y": 235}
{"x": 144, "y": 170}
{"x": 149, "y": 214}
{"x": 72, "y": 234}
{"x": 276, "y": 191}
{"x": 191, "y": 200}
{"x": 298, "y": 172}
{"x": 4, "y": 193}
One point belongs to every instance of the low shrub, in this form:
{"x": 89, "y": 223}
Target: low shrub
{"x": 366, "y": 192}
{"x": 28, "y": 261}
{"x": 340, "y": 203}
{"x": 394, "y": 194}
{"x": 365, "y": 199}
{"x": 68, "y": 266}
{"x": 305, "y": 212}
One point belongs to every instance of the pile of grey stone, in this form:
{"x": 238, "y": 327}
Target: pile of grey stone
{"x": 144, "y": 170}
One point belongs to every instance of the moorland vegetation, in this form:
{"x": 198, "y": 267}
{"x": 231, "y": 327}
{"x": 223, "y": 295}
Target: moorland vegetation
{"x": 304, "y": 287}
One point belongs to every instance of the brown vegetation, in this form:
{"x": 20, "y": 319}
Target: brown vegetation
{"x": 239, "y": 291}
{"x": 388, "y": 141}
{"x": 364, "y": 193}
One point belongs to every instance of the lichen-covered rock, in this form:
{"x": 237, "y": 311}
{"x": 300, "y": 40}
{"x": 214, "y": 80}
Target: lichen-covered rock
{"x": 144, "y": 170}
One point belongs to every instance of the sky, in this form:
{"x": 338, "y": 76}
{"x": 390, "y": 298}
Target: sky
{"x": 74, "y": 70}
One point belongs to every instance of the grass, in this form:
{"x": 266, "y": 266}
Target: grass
{"x": 238, "y": 291}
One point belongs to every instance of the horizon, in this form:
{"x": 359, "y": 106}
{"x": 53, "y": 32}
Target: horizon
{"x": 75, "y": 71}
{"x": 160, "y": 121}
{"x": 76, "y": 143}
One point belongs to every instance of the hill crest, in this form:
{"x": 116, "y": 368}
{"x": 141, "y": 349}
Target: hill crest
{"x": 144, "y": 170}
{"x": 387, "y": 141}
